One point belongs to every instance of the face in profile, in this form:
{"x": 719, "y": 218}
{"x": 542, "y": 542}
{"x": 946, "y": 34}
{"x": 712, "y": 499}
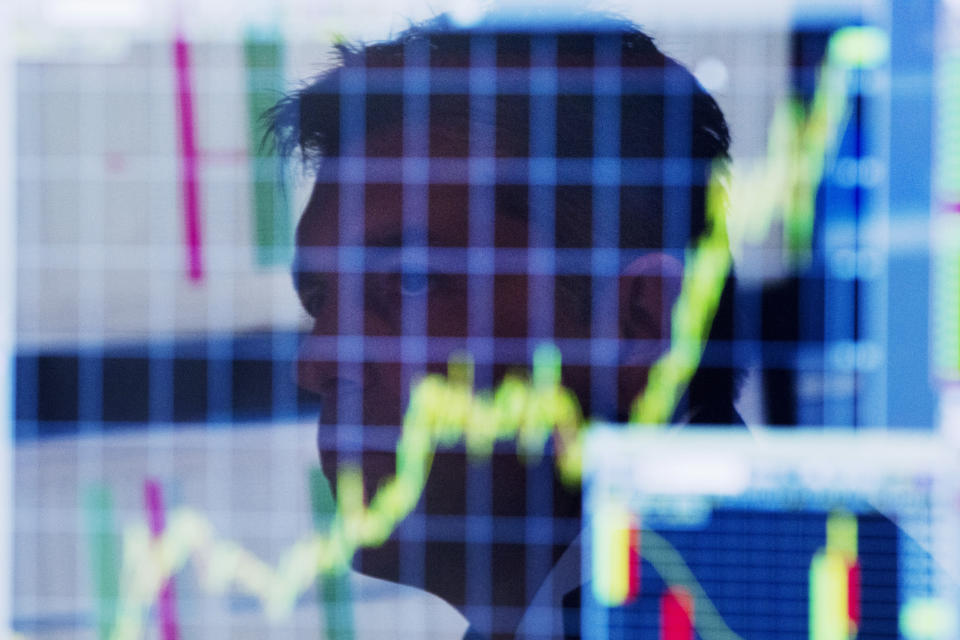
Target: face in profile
{"x": 397, "y": 278}
{"x": 393, "y": 291}
{"x": 405, "y": 259}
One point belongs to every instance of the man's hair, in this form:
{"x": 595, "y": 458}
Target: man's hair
{"x": 666, "y": 139}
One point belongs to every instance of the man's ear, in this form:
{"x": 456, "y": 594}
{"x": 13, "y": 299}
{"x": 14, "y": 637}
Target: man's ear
{"x": 649, "y": 287}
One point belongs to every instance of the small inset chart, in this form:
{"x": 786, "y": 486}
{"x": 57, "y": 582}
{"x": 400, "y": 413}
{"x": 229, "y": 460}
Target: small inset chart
{"x": 719, "y": 535}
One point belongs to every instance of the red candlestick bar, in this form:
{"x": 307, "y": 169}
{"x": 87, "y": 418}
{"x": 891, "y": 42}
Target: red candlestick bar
{"x": 676, "y": 614}
{"x": 853, "y": 594}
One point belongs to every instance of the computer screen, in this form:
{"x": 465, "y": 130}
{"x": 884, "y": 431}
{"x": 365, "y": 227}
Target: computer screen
{"x": 792, "y": 534}
{"x": 481, "y": 321}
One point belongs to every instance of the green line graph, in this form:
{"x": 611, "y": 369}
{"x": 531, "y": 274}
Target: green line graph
{"x": 446, "y": 411}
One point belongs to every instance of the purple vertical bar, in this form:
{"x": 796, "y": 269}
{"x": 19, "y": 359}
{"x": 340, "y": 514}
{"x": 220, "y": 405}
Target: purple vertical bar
{"x": 166, "y": 602}
{"x": 188, "y": 159}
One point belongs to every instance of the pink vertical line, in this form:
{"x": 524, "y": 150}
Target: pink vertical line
{"x": 188, "y": 159}
{"x": 166, "y": 601}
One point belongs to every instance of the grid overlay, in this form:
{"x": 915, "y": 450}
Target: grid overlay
{"x": 363, "y": 88}
{"x": 217, "y": 417}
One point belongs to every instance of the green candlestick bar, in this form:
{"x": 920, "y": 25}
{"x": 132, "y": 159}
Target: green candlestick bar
{"x": 263, "y": 57}
{"x": 333, "y": 590}
{"x": 948, "y": 140}
{"x": 104, "y": 556}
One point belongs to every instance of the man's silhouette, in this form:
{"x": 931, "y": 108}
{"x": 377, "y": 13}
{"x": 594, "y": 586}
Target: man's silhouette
{"x": 487, "y": 190}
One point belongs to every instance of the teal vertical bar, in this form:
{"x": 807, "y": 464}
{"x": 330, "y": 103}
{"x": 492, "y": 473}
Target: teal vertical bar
{"x": 333, "y": 590}
{"x": 104, "y": 556}
{"x": 263, "y": 58}
{"x": 948, "y": 138}
{"x": 954, "y": 338}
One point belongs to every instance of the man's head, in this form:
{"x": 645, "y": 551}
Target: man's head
{"x": 488, "y": 190}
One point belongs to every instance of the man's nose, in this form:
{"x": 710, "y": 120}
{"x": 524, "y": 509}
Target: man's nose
{"x": 315, "y": 369}
{"x": 340, "y": 313}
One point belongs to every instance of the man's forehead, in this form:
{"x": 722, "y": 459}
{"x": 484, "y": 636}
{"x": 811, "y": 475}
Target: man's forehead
{"x": 386, "y": 214}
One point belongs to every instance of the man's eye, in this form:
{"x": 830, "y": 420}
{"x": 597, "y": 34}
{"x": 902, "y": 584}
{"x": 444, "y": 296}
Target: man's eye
{"x": 414, "y": 284}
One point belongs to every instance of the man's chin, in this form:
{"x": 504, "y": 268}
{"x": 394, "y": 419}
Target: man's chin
{"x": 376, "y": 468}
{"x": 381, "y": 562}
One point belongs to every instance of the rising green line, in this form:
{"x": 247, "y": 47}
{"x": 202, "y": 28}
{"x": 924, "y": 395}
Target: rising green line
{"x": 447, "y": 411}
{"x": 742, "y": 207}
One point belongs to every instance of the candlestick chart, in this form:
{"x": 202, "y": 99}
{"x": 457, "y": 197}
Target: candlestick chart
{"x": 445, "y": 411}
{"x": 682, "y": 562}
